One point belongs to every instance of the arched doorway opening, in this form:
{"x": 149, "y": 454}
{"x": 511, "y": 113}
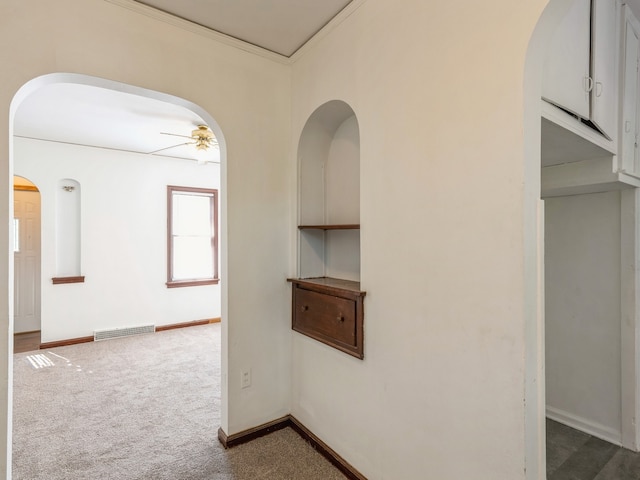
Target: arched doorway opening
{"x": 533, "y": 234}
{"x": 116, "y": 188}
{"x": 26, "y": 247}
{"x": 564, "y": 213}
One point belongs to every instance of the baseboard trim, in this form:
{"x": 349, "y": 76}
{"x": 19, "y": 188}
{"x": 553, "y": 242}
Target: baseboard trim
{"x": 75, "y": 341}
{"x": 229, "y": 441}
{"x": 579, "y": 423}
{"x": 30, "y": 332}
{"x": 194, "y": 323}
{"x": 64, "y": 343}
{"x": 326, "y": 451}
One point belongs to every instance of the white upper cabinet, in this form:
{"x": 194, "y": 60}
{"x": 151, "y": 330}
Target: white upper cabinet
{"x": 629, "y": 127}
{"x": 604, "y": 47}
{"x": 566, "y": 81}
{"x": 580, "y": 71}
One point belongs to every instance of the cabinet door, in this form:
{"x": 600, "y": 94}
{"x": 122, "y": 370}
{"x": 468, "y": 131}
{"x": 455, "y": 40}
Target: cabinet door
{"x": 604, "y": 48}
{"x": 630, "y": 99}
{"x": 566, "y": 81}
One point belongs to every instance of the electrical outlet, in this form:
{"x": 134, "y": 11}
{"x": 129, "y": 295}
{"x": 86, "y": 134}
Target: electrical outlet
{"x": 245, "y": 380}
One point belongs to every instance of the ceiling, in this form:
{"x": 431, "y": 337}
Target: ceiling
{"x": 101, "y": 117}
{"x": 93, "y": 116}
{"x": 281, "y": 26}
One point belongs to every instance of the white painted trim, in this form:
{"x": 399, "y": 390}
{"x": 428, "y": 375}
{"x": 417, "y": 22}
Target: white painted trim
{"x": 586, "y": 176}
{"x": 592, "y": 428}
{"x": 199, "y": 30}
{"x": 562, "y": 118}
{"x": 541, "y": 372}
{"x": 632, "y": 180}
{"x": 175, "y": 21}
{"x": 629, "y": 331}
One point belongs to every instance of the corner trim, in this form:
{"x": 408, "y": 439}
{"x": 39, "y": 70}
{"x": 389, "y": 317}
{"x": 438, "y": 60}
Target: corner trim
{"x": 229, "y": 441}
{"x": 325, "y": 450}
{"x": 345, "y": 13}
{"x": 192, "y": 27}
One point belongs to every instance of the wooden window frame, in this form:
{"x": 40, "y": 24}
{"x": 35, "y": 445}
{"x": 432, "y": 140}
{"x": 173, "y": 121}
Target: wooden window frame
{"x": 213, "y": 193}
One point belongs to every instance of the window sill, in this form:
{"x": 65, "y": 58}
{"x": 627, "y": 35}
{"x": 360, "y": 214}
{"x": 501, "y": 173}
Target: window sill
{"x": 192, "y": 283}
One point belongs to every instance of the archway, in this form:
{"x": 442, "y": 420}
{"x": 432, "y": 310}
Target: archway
{"x": 118, "y": 187}
{"x": 623, "y": 412}
{"x": 533, "y": 235}
{"x": 26, "y": 246}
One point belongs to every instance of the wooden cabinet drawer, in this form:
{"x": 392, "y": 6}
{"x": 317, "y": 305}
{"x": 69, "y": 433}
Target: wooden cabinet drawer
{"x": 330, "y": 311}
{"x": 325, "y": 315}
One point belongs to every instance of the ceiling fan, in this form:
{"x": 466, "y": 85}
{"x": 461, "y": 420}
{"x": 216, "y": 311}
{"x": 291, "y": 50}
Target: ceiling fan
{"x": 202, "y": 137}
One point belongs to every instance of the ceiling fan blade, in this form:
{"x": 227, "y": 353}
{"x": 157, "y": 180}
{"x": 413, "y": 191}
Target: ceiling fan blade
{"x": 175, "y": 135}
{"x": 172, "y": 146}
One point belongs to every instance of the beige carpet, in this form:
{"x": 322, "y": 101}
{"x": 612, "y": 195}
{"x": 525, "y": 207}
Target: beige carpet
{"x": 143, "y": 407}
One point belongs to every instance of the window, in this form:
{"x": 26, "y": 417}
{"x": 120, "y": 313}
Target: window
{"x": 192, "y": 236}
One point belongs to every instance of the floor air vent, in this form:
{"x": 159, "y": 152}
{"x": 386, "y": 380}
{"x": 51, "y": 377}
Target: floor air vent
{"x": 122, "y": 332}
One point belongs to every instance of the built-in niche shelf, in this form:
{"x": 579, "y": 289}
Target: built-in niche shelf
{"x": 68, "y": 228}
{"x": 353, "y": 226}
{"x": 65, "y": 280}
{"x": 330, "y": 285}
{"x": 327, "y": 299}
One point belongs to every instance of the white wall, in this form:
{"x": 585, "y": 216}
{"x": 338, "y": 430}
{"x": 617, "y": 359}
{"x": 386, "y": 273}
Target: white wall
{"x": 448, "y": 222}
{"x": 123, "y": 240}
{"x": 437, "y": 88}
{"x": 246, "y": 96}
{"x": 583, "y": 298}
{"x": 342, "y": 202}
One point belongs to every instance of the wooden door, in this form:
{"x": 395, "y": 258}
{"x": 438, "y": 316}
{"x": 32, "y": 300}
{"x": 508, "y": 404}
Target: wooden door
{"x": 27, "y": 261}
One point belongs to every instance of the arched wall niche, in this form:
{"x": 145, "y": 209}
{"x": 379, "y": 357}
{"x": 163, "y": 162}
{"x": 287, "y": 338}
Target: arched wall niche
{"x": 68, "y": 228}
{"x": 329, "y": 193}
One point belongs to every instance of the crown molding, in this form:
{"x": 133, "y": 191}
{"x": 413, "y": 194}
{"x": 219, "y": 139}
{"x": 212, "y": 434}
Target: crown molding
{"x": 345, "y": 13}
{"x": 199, "y": 30}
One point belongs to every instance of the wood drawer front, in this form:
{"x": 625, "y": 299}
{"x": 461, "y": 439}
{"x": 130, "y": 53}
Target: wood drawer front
{"x": 325, "y": 316}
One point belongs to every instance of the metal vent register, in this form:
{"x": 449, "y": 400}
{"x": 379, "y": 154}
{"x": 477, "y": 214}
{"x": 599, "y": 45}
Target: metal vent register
{"x": 122, "y": 332}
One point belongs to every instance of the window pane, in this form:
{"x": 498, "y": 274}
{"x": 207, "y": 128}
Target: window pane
{"x": 16, "y": 235}
{"x": 192, "y": 236}
{"x": 191, "y": 215}
{"x": 192, "y": 258}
